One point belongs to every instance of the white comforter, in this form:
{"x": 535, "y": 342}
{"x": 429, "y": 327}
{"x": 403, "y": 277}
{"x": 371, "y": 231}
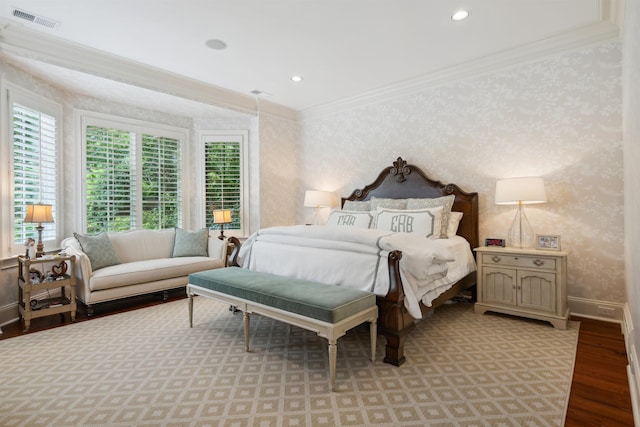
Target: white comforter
{"x": 357, "y": 258}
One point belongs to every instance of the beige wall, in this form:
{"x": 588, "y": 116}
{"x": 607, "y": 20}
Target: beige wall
{"x": 559, "y": 118}
{"x": 279, "y": 153}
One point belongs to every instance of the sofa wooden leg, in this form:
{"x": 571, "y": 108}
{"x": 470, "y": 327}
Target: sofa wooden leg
{"x": 165, "y": 296}
{"x": 89, "y": 309}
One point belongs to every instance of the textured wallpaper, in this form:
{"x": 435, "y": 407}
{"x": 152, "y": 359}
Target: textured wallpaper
{"x": 558, "y": 118}
{"x": 279, "y": 171}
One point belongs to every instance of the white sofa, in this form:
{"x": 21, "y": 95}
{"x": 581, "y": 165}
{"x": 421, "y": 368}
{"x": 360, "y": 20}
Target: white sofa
{"x": 146, "y": 265}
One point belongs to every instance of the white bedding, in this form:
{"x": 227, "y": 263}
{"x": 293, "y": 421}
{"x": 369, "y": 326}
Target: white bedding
{"x": 357, "y": 258}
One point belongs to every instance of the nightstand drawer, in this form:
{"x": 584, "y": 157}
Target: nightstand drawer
{"x": 519, "y": 261}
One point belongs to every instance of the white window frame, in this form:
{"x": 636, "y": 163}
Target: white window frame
{"x": 11, "y": 94}
{"x": 84, "y": 118}
{"x": 241, "y": 136}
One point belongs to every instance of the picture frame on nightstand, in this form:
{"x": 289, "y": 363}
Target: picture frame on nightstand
{"x": 548, "y": 242}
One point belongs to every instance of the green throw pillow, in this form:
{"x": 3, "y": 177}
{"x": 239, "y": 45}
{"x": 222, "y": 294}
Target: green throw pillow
{"x": 191, "y": 243}
{"x": 99, "y": 250}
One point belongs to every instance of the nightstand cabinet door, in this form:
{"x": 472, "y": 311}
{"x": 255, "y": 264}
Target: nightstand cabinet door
{"x": 523, "y": 282}
{"x": 537, "y": 290}
{"x": 499, "y": 285}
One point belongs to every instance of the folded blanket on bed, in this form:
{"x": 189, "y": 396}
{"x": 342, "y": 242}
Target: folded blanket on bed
{"x": 352, "y": 257}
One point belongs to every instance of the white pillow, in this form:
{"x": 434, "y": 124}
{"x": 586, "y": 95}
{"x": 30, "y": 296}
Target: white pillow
{"x": 357, "y": 219}
{"x": 454, "y": 222}
{"x": 426, "y": 222}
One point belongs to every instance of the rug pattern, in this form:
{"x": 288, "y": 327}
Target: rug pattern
{"x": 148, "y": 368}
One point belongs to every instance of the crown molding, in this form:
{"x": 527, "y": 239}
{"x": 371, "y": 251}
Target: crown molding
{"x": 23, "y": 42}
{"x": 605, "y": 30}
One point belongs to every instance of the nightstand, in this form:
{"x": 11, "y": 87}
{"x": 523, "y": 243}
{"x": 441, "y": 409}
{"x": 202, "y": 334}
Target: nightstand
{"x": 39, "y": 275}
{"x": 523, "y": 282}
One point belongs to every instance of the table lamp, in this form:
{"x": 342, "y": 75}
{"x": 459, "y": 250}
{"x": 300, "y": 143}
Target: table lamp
{"x": 520, "y": 191}
{"x": 317, "y": 200}
{"x": 222, "y": 217}
{"x": 39, "y": 213}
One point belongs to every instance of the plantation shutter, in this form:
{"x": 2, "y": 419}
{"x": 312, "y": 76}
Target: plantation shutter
{"x": 34, "y": 169}
{"x": 110, "y": 179}
{"x": 161, "y": 189}
{"x": 223, "y": 181}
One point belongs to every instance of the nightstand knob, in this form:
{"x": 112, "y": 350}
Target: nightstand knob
{"x": 538, "y": 262}
{"x": 496, "y": 258}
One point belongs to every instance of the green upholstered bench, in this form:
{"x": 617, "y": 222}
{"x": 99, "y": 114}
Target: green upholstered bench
{"x": 328, "y": 310}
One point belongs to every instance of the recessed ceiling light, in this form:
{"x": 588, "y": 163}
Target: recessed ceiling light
{"x": 216, "y": 44}
{"x": 296, "y": 79}
{"x": 460, "y": 15}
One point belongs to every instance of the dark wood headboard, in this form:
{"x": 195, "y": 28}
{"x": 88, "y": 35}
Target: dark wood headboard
{"x": 402, "y": 181}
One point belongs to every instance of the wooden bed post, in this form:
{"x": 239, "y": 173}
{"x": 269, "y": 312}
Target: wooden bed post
{"x": 233, "y": 258}
{"x": 394, "y": 321}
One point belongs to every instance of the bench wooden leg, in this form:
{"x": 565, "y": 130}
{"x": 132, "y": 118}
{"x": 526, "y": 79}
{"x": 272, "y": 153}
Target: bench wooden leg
{"x": 373, "y": 331}
{"x": 245, "y": 317}
{"x": 190, "y": 311}
{"x": 333, "y": 358}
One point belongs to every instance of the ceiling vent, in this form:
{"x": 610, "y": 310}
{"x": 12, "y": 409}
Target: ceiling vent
{"x": 40, "y": 20}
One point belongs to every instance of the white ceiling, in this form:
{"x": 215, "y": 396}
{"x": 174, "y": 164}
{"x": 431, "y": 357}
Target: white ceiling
{"x": 342, "y": 48}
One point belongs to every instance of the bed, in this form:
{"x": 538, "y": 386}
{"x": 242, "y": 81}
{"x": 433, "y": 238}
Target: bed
{"x": 397, "y": 304}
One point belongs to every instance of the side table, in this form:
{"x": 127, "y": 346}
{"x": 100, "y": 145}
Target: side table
{"x": 523, "y": 282}
{"x": 36, "y": 275}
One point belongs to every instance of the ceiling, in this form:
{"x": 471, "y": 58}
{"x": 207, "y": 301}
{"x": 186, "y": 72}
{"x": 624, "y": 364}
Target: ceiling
{"x": 343, "y": 49}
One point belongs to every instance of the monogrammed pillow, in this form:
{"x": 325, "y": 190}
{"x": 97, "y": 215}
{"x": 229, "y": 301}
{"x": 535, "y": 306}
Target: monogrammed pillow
{"x": 357, "y": 219}
{"x": 426, "y": 222}
{"x": 446, "y": 202}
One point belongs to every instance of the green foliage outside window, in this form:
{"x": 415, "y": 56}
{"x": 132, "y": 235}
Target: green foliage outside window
{"x": 223, "y": 181}
{"x": 113, "y": 197}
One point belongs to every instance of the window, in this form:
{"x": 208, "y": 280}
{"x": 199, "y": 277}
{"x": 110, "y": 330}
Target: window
{"x": 32, "y": 150}
{"x": 133, "y": 176}
{"x": 225, "y": 177}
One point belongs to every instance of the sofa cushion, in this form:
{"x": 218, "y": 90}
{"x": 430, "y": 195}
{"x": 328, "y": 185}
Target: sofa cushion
{"x": 99, "y": 250}
{"x": 191, "y": 243}
{"x": 132, "y": 273}
{"x": 141, "y": 245}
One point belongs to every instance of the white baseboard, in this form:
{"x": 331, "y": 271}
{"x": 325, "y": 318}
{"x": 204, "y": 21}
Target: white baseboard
{"x": 633, "y": 368}
{"x": 8, "y": 314}
{"x": 594, "y": 309}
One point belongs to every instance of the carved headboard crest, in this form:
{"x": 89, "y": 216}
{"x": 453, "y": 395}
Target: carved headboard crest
{"x": 399, "y": 169}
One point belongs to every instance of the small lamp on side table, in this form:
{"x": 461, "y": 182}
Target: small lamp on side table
{"x": 39, "y": 213}
{"x": 222, "y": 217}
{"x": 520, "y": 191}
{"x": 317, "y": 200}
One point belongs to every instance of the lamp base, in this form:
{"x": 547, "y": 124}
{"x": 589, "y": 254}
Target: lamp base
{"x": 316, "y": 216}
{"x": 520, "y": 232}
{"x": 40, "y": 245}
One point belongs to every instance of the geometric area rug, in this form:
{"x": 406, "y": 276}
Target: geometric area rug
{"x": 146, "y": 367}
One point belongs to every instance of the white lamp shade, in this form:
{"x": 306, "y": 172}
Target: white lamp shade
{"x": 318, "y": 199}
{"x": 525, "y": 190}
{"x": 221, "y": 216}
{"x": 39, "y": 213}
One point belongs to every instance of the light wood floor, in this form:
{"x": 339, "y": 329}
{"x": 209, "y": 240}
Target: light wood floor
{"x": 599, "y": 392}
